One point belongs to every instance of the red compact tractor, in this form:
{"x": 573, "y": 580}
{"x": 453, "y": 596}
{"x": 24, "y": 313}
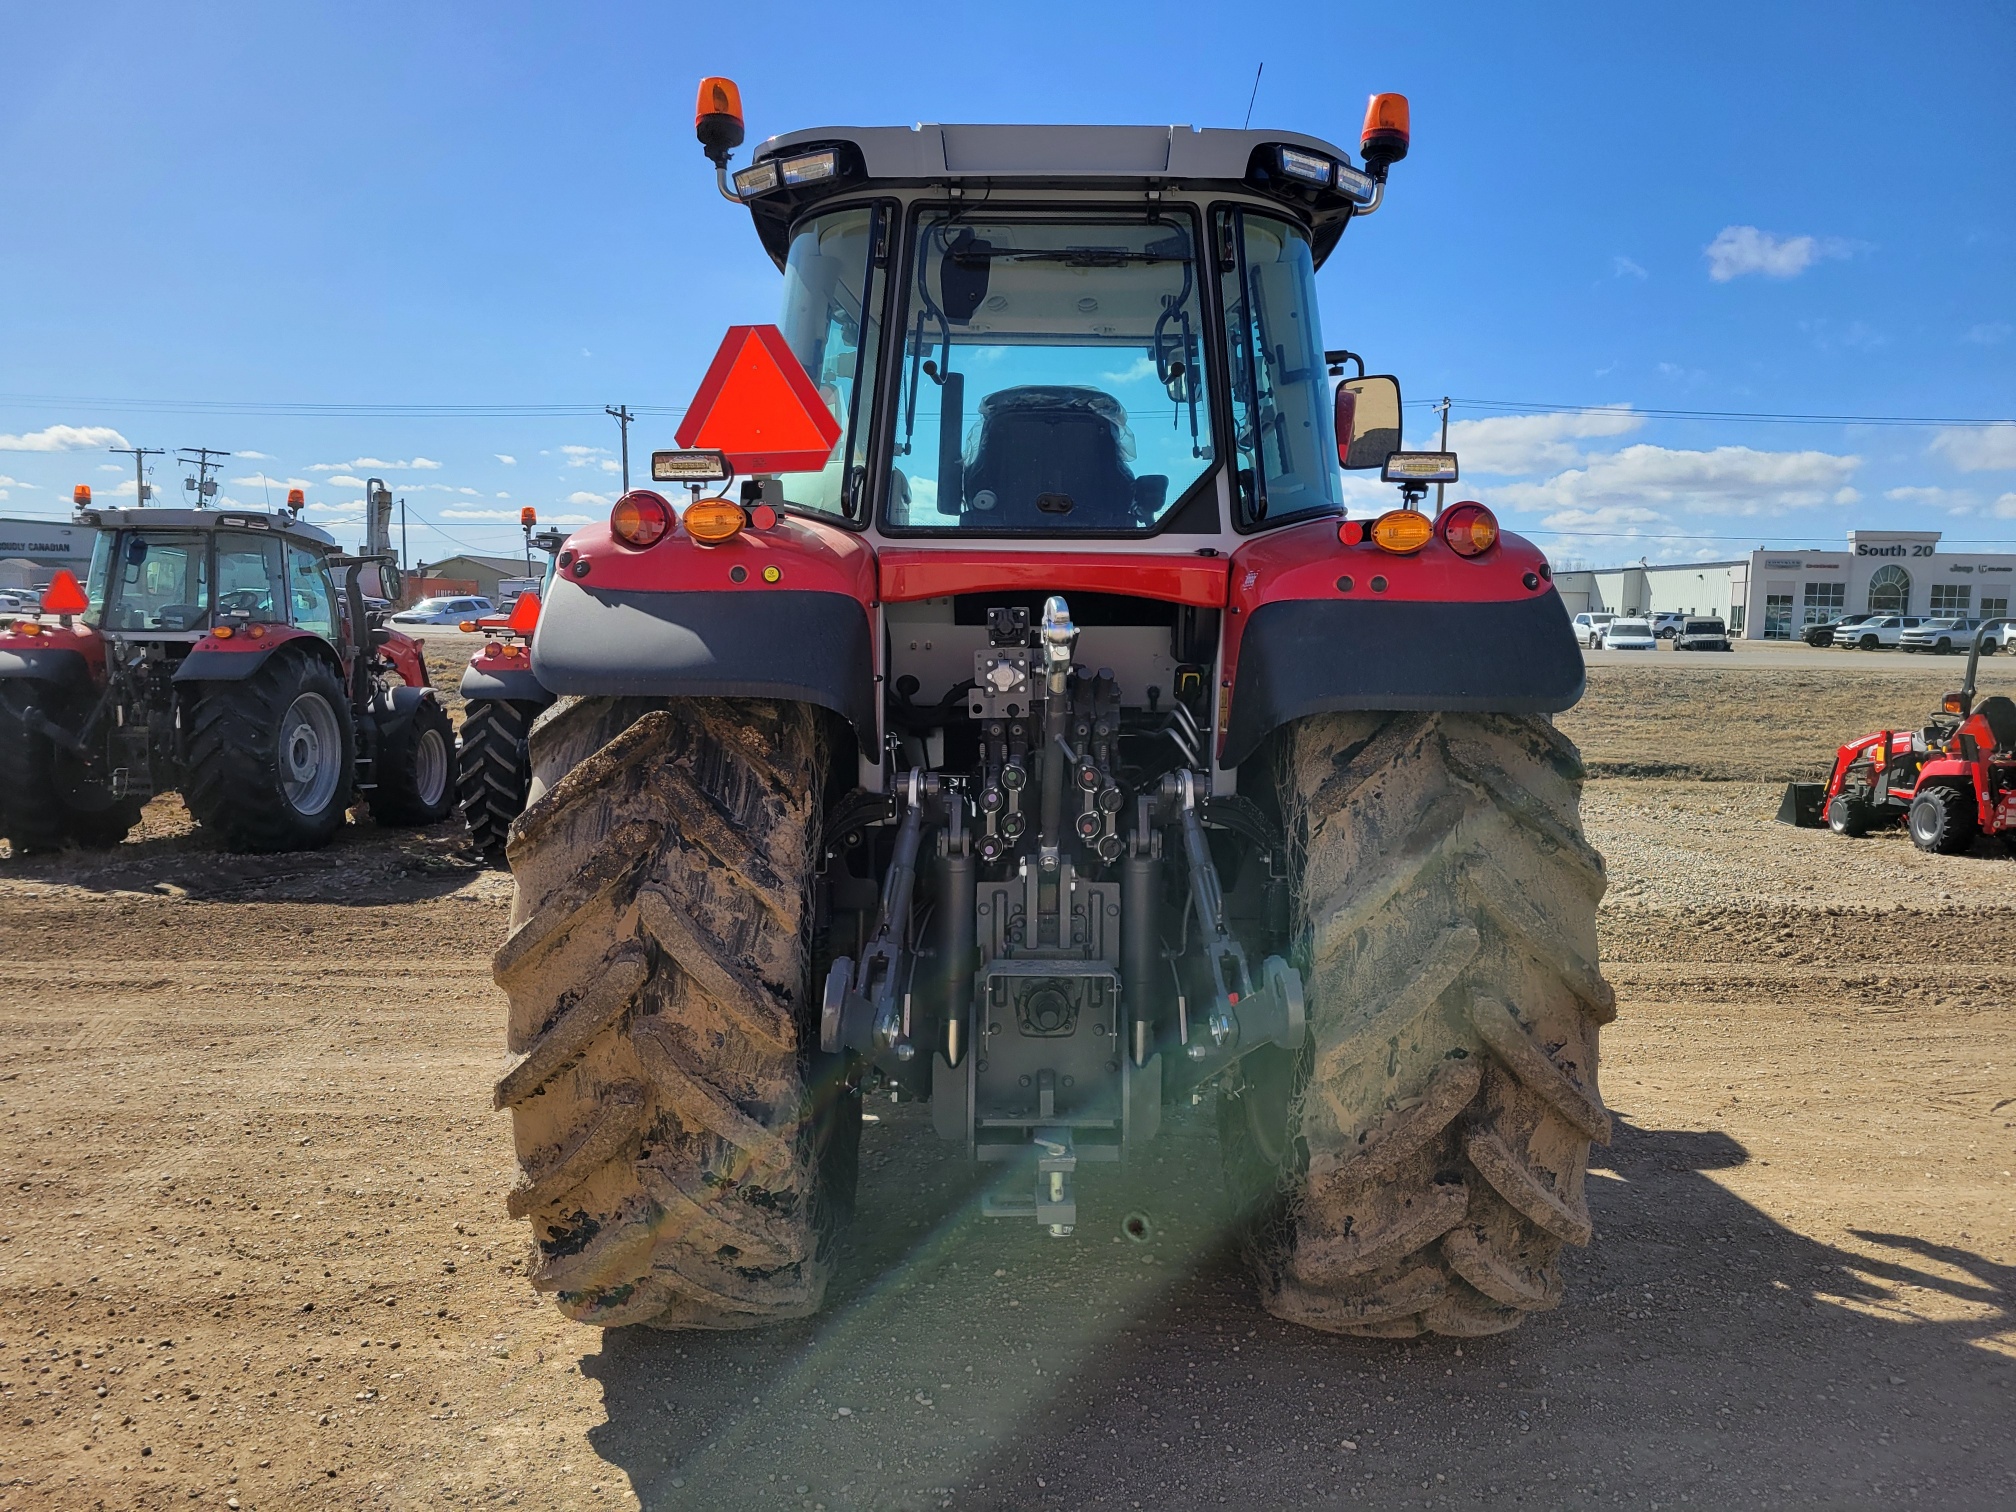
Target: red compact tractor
{"x": 212, "y": 652}
{"x": 1032, "y": 732}
{"x": 501, "y": 698}
{"x": 1948, "y": 783}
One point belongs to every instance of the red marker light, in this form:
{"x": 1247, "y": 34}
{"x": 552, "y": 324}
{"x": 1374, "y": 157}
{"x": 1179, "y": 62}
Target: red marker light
{"x": 1469, "y": 528}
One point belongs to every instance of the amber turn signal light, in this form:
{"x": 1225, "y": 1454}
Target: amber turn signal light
{"x": 712, "y": 521}
{"x": 1954, "y": 703}
{"x": 640, "y": 518}
{"x": 1469, "y": 528}
{"x": 1402, "y": 531}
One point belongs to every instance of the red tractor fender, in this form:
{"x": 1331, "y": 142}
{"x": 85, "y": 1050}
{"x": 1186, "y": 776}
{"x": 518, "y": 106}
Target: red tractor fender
{"x": 54, "y": 655}
{"x": 503, "y": 669}
{"x": 1314, "y": 625}
{"x": 235, "y": 657}
{"x": 788, "y": 612}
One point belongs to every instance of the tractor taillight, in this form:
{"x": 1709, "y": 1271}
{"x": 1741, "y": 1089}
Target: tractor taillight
{"x": 712, "y": 521}
{"x": 1469, "y": 528}
{"x": 1402, "y": 531}
{"x": 640, "y": 518}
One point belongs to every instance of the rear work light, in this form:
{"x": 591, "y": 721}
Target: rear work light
{"x": 1402, "y": 531}
{"x": 812, "y": 168}
{"x": 641, "y": 518}
{"x": 1310, "y": 167}
{"x": 750, "y": 182}
{"x": 1469, "y": 528}
{"x": 712, "y": 521}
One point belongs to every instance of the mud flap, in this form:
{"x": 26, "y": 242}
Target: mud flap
{"x": 1802, "y": 804}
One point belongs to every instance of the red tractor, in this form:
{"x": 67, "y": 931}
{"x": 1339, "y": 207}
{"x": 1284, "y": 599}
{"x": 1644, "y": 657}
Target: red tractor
{"x": 1034, "y": 733}
{"x": 212, "y": 652}
{"x": 1948, "y": 783}
{"x": 501, "y": 698}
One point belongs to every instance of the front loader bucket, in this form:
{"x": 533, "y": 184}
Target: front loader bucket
{"x": 1801, "y": 804}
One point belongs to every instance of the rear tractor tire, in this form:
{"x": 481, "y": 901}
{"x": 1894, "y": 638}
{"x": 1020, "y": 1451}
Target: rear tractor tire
{"x": 1436, "y": 1135}
{"x": 271, "y": 758}
{"x": 1943, "y": 821}
{"x": 494, "y": 770}
{"x": 675, "y": 1145}
{"x": 46, "y": 796}
{"x": 416, "y": 770}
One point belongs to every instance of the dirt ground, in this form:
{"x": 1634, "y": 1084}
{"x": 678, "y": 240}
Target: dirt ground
{"x": 256, "y": 1254}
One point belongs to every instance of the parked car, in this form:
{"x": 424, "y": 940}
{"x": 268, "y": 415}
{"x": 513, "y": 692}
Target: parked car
{"x": 1944, "y": 636}
{"x": 1629, "y": 635}
{"x": 1666, "y": 624}
{"x": 1881, "y": 631}
{"x": 444, "y": 611}
{"x": 20, "y": 602}
{"x": 1702, "y": 635}
{"x": 1823, "y": 635}
{"x": 2001, "y": 636}
{"x": 1589, "y": 628}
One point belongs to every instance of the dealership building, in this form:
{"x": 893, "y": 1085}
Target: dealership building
{"x": 31, "y": 551}
{"x": 1773, "y": 595}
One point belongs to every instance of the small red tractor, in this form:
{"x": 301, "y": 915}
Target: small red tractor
{"x": 501, "y": 698}
{"x": 1948, "y": 783}
{"x": 1034, "y": 733}
{"x": 210, "y": 651}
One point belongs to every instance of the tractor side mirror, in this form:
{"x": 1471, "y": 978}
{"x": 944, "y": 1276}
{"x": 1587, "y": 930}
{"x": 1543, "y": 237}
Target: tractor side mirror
{"x": 1368, "y": 421}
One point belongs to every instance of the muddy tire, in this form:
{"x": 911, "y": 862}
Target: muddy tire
{"x": 416, "y": 770}
{"x": 270, "y": 759}
{"x": 1438, "y": 1128}
{"x": 29, "y": 817}
{"x": 658, "y": 968}
{"x": 494, "y": 770}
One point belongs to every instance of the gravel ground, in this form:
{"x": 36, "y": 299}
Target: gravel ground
{"x": 257, "y": 1257}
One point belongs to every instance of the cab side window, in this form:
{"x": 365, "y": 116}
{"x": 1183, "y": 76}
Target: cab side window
{"x": 251, "y": 584}
{"x": 309, "y": 591}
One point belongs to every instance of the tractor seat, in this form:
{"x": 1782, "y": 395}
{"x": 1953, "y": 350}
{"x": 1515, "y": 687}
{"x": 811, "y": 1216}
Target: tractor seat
{"x": 1999, "y": 713}
{"x": 179, "y": 616}
{"x": 1041, "y": 446}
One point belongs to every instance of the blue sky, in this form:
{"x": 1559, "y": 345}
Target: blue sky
{"x": 214, "y": 218}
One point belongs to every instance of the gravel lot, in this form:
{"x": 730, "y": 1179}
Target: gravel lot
{"x": 257, "y": 1255}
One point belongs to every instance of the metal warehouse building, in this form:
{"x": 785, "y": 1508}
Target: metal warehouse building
{"x": 32, "y": 550}
{"x": 1772, "y": 595}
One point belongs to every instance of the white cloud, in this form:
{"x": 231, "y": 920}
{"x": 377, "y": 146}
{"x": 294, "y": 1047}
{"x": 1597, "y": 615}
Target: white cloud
{"x": 58, "y": 438}
{"x": 344, "y": 480}
{"x": 1516, "y": 444}
{"x": 503, "y": 495}
{"x": 1990, "y": 333}
{"x": 1624, "y": 267}
{"x": 374, "y": 464}
{"x": 105, "y": 467}
{"x": 471, "y": 492}
{"x": 590, "y": 456}
{"x": 252, "y": 456}
{"x": 1977, "y": 448}
{"x": 1738, "y": 250}
{"x": 350, "y": 509}
{"x": 1140, "y": 370}
{"x": 1955, "y": 501}
{"x": 2004, "y": 508}
{"x": 261, "y": 480}
{"x": 584, "y": 498}
{"x": 6, "y": 482}
{"x": 459, "y": 512}
{"x": 1608, "y": 515}
{"x": 1728, "y": 480}
{"x": 507, "y": 461}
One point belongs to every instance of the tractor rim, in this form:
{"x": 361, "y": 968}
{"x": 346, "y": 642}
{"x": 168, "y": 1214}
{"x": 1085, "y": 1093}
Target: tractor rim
{"x": 311, "y": 754}
{"x": 430, "y": 767}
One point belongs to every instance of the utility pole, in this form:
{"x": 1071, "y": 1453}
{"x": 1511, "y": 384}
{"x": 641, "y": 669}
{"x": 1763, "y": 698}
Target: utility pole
{"x": 621, "y": 415}
{"x": 139, "y": 454}
{"x": 403, "y": 558}
{"x": 205, "y": 461}
{"x": 1444, "y": 407}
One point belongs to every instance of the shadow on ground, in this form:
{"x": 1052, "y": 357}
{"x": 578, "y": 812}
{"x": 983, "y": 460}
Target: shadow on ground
{"x": 1705, "y": 1355}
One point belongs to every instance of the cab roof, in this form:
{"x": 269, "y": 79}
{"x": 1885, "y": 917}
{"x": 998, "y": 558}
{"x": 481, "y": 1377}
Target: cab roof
{"x": 153, "y": 518}
{"x": 1063, "y": 157}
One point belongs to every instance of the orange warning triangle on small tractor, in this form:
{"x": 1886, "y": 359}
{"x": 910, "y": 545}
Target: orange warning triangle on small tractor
{"x": 63, "y": 596}
{"x": 757, "y": 405}
{"x": 524, "y": 614}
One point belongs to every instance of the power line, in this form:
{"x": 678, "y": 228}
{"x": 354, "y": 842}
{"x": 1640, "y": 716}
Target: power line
{"x": 307, "y": 409}
{"x": 1513, "y": 406}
